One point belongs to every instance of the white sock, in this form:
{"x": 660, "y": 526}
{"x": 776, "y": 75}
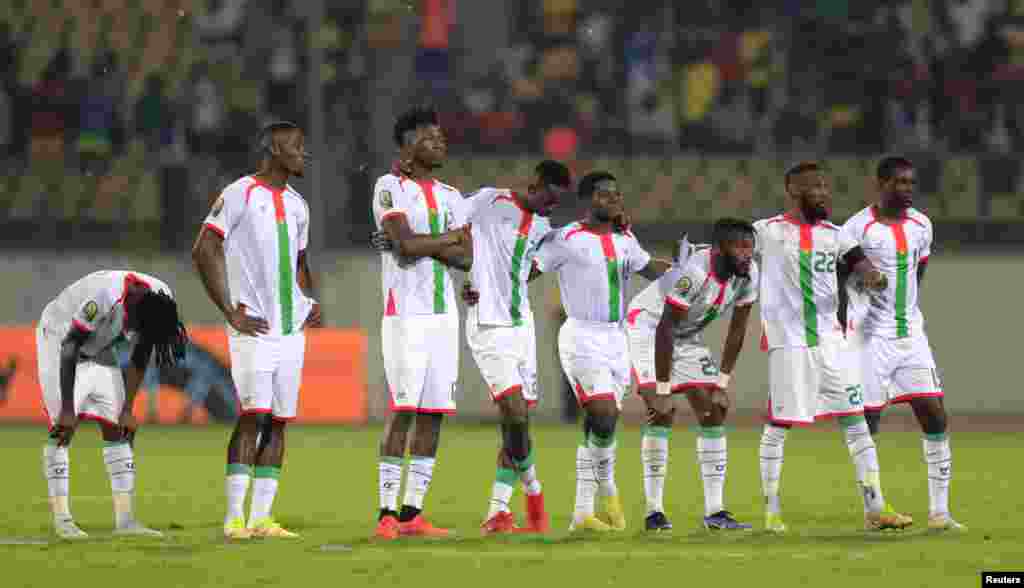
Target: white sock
{"x": 236, "y": 486}
{"x": 417, "y": 480}
{"x": 121, "y": 470}
{"x": 57, "y": 471}
{"x": 586, "y": 483}
{"x": 264, "y": 490}
{"x": 654, "y": 457}
{"x": 531, "y": 484}
{"x": 712, "y": 457}
{"x": 865, "y": 460}
{"x": 604, "y": 467}
{"x": 501, "y": 492}
{"x": 773, "y": 441}
{"x": 389, "y": 477}
{"x": 939, "y": 458}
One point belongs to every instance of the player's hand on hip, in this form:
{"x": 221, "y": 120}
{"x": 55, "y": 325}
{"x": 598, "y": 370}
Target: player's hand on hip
{"x": 64, "y": 430}
{"x": 380, "y": 241}
{"x": 245, "y": 324}
{"x": 469, "y": 295}
{"x": 315, "y": 319}
{"x": 876, "y": 280}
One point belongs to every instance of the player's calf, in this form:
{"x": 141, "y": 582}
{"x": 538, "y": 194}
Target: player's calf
{"x": 654, "y": 445}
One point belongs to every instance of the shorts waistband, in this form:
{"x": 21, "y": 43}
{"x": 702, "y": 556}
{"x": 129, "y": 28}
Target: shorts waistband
{"x": 616, "y": 326}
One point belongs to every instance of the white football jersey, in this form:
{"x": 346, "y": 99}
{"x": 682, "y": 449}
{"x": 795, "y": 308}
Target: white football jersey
{"x": 799, "y": 289}
{"x": 700, "y": 292}
{"x": 593, "y": 269}
{"x": 506, "y": 237}
{"x": 430, "y": 207}
{"x": 95, "y": 305}
{"x": 896, "y": 250}
{"x": 261, "y": 226}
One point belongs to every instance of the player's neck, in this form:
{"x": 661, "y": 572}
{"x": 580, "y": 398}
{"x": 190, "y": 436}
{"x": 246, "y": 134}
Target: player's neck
{"x": 418, "y": 172}
{"x": 597, "y": 226}
{"x": 889, "y": 214}
{"x": 276, "y": 178}
{"x": 800, "y": 217}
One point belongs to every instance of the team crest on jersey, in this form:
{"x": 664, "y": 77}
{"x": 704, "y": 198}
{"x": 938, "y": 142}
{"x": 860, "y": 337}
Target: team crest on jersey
{"x": 217, "y": 206}
{"x": 684, "y": 284}
{"x": 385, "y": 199}
{"x": 91, "y": 308}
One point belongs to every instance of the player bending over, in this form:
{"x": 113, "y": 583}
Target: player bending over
{"x": 810, "y": 369}
{"x": 665, "y": 324}
{"x": 594, "y": 259}
{"x": 420, "y": 326}
{"x": 251, "y": 257}
{"x": 79, "y": 340}
{"x": 887, "y": 327}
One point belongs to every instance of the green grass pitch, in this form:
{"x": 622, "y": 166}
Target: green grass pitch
{"x": 329, "y": 494}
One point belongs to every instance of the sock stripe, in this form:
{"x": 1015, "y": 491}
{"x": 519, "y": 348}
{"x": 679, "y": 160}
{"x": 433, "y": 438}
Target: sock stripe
{"x": 267, "y": 472}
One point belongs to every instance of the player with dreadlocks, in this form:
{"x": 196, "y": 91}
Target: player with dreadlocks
{"x": 81, "y": 335}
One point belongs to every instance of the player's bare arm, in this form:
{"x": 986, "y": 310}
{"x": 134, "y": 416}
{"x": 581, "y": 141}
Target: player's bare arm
{"x": 133, "y": 376}
{"x": 459, "y": 256}
{"x": 663, "y": 342}
{"x": 843, "y": 277}
{"x": 208, "y": 259}
{"x": 305, "y": 279}
{"x": 411, "y": 246}
{"x": 862, "y": 266}
{"x": 70, "y": 349}
{"x": 922, "y": 266}
{"x": 655, "y": 268}
{"x": 731, "y": 352}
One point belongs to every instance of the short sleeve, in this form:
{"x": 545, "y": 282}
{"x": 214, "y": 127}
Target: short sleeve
{"x": 91, "y": 311}
{"x": 388, "y": 199}
{"x": 637, "y": 257}
{"x": 227, "y": 211}
{"x": 686, "y": 286}
{"x": 553, "y": 252}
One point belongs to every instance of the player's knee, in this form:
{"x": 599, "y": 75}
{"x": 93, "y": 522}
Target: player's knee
{"x": 661, "y": 417}
{"x": 935, "y": 423}
{"x": 874, "y": 419}
{"x": 515, "y": 421}
{"x": 712, "y": 418}
{"x": 603, "y": 425}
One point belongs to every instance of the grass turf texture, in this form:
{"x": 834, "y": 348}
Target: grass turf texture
{"x": 329, "y": 495}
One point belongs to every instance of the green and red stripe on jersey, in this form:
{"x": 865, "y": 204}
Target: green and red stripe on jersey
{"x": 518, "y": 253}
{"x": 614, "y": 278}
{"x": 902, "y": 278}
{"x": 434, "y": 217}
{"x": 284, "y": 263}
{"x": 807, "y": 284}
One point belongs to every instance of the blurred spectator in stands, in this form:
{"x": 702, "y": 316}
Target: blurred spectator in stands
{"x": 207, "y": 117}
{"x": 284, "y": 69}
{"x": 101, "y": 133}
{"x": 50, "y": 112}
{"x": 220, "y": 25}
{"x": 154, "y": 115}
{"x": 1006, "y": 50}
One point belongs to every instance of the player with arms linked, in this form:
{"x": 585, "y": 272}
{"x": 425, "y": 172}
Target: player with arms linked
{"x": 80, "y": 339}
{"x": 251, "y": 257}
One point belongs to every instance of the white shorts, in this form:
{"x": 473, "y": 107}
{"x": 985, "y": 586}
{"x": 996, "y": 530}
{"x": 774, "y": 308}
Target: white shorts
{"x": 813, "y": 383}
{"x": 267, "y": 371}
{"x": 692, "y": 364}
{"x": 896, "y": 370}
{"x": 99, "y": 389}
{"x": 506, "y": 356}
{"x": 595, "y": 359}
{"x": 421, "y": 361}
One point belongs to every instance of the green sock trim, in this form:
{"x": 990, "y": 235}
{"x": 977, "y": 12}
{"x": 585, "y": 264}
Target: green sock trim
{"x": 716, "y": 432}
{"x": 525, "y": 464}
{"x": 239, "y": 468}
{"x": 266, "y": 472}
{"x": 114, "y": 443}
{"x": 391, "y": 460}
{"x": 599, "y": 441}
{"x": 846, "y": 421}
{"x": 935, "y": 436}
{"x": 659, "y": 432}
{"x": 507, "y": 477}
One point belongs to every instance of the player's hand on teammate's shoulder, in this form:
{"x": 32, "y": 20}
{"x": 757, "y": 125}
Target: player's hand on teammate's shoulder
{"x": 469, "y": 295}
{"x": 245, "y": 324}
{"x": 315, "y": 319}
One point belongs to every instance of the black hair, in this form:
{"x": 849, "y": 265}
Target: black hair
{"x": 159, "y": 325}
{"x": 553, "y": 173}
{"x": 412, "y": 119}
{"x": 731, "y": 229}
{"x": 590, "y": 181}
{"x": 265, "y": 142}
{"x": 799, "y": 168}
{"x": 889, "y": 166}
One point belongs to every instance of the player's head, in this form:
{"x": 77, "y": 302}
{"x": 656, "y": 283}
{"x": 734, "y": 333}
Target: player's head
{"x": 551, "y": 180}
{"x": 420, "y": 139}
{"x": 282, "y": 144}
{"x": 805, "y": 184}
{"x": 896, "y": 183}
{"x": 601, "y": 190}
{"x": 734, "y": 240}
{"x": 154, "y": 315}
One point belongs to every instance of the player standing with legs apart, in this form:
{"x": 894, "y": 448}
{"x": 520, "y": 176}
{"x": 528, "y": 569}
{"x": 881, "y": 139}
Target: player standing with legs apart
{"x": 669, "y": 357}
{"x": 507, "y": 229}
{"x": 420, "y": 326}
{"x": 810, "y": 369}
{"x": 887, "y": 327}
{"x": 79, "y": 341}
{"x": 251, "y": 256}
{"x": 594, "y": 259}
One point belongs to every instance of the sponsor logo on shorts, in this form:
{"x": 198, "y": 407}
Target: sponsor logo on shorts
{"x": 90, "y": 311}
{"x": 386, "y": 201}
{"x": 684, "y": 284}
